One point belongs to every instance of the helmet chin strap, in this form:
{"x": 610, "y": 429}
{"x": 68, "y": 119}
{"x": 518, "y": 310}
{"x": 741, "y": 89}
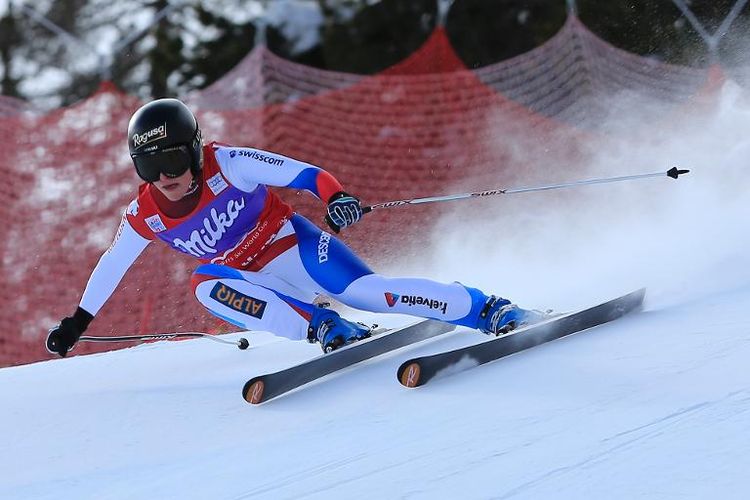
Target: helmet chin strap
{"x": 193, "y": 187}
{"x": 197, "y": 169}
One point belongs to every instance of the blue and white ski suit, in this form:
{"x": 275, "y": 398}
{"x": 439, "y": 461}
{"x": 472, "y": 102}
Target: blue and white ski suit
{"x": 262, "y": 264}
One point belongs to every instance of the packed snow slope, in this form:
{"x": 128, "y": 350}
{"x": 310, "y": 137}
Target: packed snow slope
{"x": 655, "y": 405}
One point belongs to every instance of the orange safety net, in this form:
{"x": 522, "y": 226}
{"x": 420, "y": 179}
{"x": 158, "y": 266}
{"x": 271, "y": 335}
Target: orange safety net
{"x": 427, "y": 126}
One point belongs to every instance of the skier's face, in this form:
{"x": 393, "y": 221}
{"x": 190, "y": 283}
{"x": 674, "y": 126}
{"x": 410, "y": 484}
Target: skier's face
{"x": 174, "y": 188}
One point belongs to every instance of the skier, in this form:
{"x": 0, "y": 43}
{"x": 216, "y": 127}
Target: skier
{"x": 262, "y": 264}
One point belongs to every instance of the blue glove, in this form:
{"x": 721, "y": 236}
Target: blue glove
{"x": 343, "y": 211}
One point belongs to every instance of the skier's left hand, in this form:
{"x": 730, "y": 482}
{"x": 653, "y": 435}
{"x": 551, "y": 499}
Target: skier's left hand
{"x": 343, "y": 211}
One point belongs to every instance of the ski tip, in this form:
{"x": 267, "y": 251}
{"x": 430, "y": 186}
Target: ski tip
{"x": 409, "y": 374}
{"x": 253, "y": 391}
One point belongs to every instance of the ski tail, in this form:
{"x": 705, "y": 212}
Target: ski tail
{"x": 262, "y": 388}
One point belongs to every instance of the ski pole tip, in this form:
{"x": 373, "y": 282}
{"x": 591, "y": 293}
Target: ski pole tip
{"x": 675, "y": 172}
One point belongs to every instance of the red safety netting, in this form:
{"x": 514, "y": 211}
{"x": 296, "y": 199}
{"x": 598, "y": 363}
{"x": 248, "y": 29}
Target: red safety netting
{"x": 574, "y": 76}
{"x": 424, "y": 127}
{"x": 10, "y": 106}
{"x": 263, "y": 78}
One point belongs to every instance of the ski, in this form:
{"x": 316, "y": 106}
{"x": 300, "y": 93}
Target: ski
{"x": 265, "y": 387}
{"x": 419, "y": 371}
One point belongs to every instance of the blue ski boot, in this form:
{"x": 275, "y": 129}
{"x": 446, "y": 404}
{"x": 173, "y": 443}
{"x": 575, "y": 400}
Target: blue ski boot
{"x": 333, "y": 331}
{"x": 499, "y": 316}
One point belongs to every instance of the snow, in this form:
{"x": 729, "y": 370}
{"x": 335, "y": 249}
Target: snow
{"x": 654, "y": 405}
{"x": 300, "y": 22}
{"x": 103, "y": 27}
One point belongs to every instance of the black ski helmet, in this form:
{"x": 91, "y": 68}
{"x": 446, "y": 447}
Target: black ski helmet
{"x": 164, "y": 137}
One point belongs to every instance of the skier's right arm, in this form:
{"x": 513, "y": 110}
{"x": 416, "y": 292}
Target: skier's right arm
{"x": 113, "y": 264}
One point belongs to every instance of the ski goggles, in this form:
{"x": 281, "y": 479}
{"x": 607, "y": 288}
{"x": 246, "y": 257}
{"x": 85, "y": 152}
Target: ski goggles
{"x": 172, "y": 162}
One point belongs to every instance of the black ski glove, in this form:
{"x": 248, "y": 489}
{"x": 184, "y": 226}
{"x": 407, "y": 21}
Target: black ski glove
{"x": 63, "y": 337}
{"x": 343, "y": 211}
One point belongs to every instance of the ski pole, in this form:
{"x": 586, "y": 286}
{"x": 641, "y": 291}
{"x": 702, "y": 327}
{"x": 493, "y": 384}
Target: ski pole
{"x": 673, "y": 172}
{"x": 242, "y": 343}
